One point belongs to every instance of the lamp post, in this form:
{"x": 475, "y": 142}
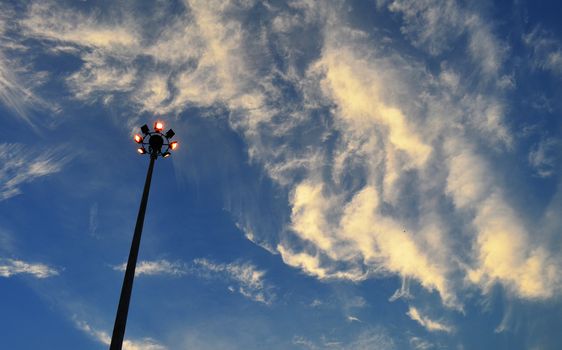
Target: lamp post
{"x": 154, "y": 143}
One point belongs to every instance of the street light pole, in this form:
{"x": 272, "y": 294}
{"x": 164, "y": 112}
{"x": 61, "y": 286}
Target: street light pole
{"x": 155, "y": 141}
{"x": 127, "y": 288}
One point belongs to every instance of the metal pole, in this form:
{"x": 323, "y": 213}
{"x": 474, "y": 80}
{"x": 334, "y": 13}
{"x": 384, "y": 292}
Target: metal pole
{"x": 126, "y": 289}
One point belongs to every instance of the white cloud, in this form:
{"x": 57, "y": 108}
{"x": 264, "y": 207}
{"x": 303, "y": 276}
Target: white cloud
{"x": 11, "y": 267}
{"x": 403, "y": 291}
{"x": 438, "y": 25}
{"x": 379, "y": 241}
{"x": 19, "y": 165}
{"x": 543, "y": 157}
{"x": 304, "y": 343}
{"x": 420, "y": 344}
{"x": 18, "y": 82}
{"x": 93, "y": 220}
{"x": 158, "y": 267}
{"x": 104, "y": 338}
{"x": 368, "y": 146}
{"x": 352, "y": 319}
{"x": 503, "y": 248}
{"x": 243, "y": 278}
{"x": 546, "y": 50}
{"x": 506, "y": 254}
{"x": 427, "y": 323}
{"x": 247, "y": 279}
{"x": 77, "y": 28}
{"x": 373, "y": 338}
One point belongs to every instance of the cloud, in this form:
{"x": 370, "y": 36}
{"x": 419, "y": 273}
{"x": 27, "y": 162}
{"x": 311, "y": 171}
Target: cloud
{"x": 506, "y": 254}
{"x": 420, "y": 344}
{"x": 546, "y": 50}
{"x": 201, "y": 38}
{"x": 243, "y": 278}
{"x": 353, "y": 319}
{"x": 11, "y": 267}
{"x": 18, "y": 82}
{"x": 543, "y": 157}
{"x": 380, "y": 242}
{"x": 503, "y": 248}
{"x": 403, "y": 291}
{"x": 247, "y": 279}
{"x": 158, "y": 267}
{"x": 427, "y": 323}
{"x": 304, "y": 343}
{"x": 93, "y": 220}
{"x": 436, "y": 26}
{"x": 387, "y": 166}
{"x": 105, "y": 338}
{"x": 373, "y": 338}
{"x": 18, "y": 166}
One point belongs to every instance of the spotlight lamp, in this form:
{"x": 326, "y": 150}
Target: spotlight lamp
{"x": 145, "y": 129}
{"x": 155, "y": 142}
{"x": 170, "y": 133}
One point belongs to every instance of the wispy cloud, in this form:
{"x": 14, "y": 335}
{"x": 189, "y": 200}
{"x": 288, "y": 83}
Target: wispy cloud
{"x": 367, "y": 147}
{"x": 436, "y": 26}
{"x": 546, "y": 50}
{"x": 427, "y": 323}
{"x": 19, "y": 165}
{"x": 543, "y": 157}
{"x": 403, "y": 291}
{"x": 243, "y": 278}
{"x": 93, "y": 220}
{"x": 104, "y": 338}
{"x": 157, "y": 267}
{"x": 18, "y": 81}
{"x": 352, "y": 319}
{"x": 247, "y": 279}
{"x": 420, "y": 344}
{"x": 11, "y": 267}
{"x": 374, "y": 338}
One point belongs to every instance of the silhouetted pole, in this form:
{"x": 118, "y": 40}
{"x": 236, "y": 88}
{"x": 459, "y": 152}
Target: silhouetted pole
{"x": 155, "y": 141}
{"x": 123, "y": 309}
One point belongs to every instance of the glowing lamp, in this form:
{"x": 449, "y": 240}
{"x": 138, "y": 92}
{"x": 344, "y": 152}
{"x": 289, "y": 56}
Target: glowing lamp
{"x": 138, "y": 138}
{"x": 174, "y": 145}
{"x": 158, "y": 126}
{"x": 166, "y": 154}
{"x": 141, "y": 150}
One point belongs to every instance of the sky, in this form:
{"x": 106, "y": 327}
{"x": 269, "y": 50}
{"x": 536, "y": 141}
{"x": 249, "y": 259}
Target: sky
{"x": 379, "y": 174}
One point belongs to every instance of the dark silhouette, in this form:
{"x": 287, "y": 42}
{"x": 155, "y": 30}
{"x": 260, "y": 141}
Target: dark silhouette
{"x": 155, "y": 140}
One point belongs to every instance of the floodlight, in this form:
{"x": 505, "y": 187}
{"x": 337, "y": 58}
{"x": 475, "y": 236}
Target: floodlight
{"x": 138, "y": 138}
{"x": 170, "y": 133}
{"x": 144, "y": 129}
{"x": 158, "y": 126}
{"x": 166, "y": 154}
{"x": 174, "y": 144}
{"x": 141, "y": 150}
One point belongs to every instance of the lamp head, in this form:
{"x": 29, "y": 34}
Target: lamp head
{"x": 156, "y": 141}
{"x": 170, "y": 133}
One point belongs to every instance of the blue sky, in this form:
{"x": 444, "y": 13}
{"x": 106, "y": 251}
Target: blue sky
{"x": 351, "y": 174}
